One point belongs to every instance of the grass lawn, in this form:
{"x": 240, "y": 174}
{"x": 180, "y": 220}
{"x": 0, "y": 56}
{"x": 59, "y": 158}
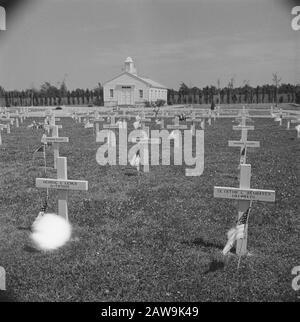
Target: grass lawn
{"x": 157, "y": 236}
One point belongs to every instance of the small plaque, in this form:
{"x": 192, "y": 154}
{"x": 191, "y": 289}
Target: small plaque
{"x": 244, "y": 194}
{"x": 176, "y": 127}
{"x": 245, "y": 127}
{"x": 61, "y": 184}
{"x": 250, "y": 144}
{"x": 54, "y": 139}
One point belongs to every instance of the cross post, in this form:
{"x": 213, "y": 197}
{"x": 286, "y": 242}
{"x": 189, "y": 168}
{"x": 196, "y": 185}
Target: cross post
{"x": 63, "y": 185}
{"x": 245, "y": 195}
{"x": 56, "y": 140}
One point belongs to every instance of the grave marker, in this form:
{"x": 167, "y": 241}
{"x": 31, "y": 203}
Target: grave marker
{"x": 2, "y": 279}
{"x": 194, "y": 121}
{"x": 297, "y": 121}
{"x": 63, "y": 185}
{"x": 2, "y": 126}
{"x": 55, "y": 139}
{"x": 96, "y": 120}
{"x": 112, "y": 126}
{"x": 144, "y": 142}
{"x": 176, "y": 126}
{"x": 243, "y": 143}
{"x": 244, "y": 195}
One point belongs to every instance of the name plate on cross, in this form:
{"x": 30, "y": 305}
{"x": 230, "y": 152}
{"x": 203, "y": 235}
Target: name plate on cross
{"x": 61, "y": 184}
{"x": 240, "y": 144}
{"x": 244, "y": 194}
{"x": 243, "y": 127}
{"x": 53, "y": 139}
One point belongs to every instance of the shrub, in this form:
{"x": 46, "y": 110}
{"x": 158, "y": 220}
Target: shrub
{"x": 160, "y": 103}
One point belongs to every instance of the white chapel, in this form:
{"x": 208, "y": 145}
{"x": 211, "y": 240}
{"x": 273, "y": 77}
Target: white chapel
{"x": 130, "y": 89}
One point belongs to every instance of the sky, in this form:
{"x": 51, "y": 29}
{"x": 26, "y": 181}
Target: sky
{"x": 171, "y": 41}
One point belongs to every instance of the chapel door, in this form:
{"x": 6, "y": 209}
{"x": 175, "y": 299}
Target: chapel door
{"x": 126, "y": 95}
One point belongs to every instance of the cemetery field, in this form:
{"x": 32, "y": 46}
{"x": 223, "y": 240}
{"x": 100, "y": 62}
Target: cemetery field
{"x": 155, "y": 236}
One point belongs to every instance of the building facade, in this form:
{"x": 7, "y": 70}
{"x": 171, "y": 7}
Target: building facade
{"x": 129, "y": 88}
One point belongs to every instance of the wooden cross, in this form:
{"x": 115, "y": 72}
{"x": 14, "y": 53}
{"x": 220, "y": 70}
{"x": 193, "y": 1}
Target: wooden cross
{"x": 245, "y": 195}
{"x": 194, "y": 120}
{"x": 63, "y": 185}
{"x": 55, "y": 139}
{"x": 144, "y": 141}
{"x": 244, "y": 128}
{"x": 2, "y": 279}
{"x": 209, "y": 117}
{"x": 112, "y": 126}
{"x": 176, "y": 126}
{"x": 278, "y": 117}
{"x": 2, "y": 126}
{"x": 96, "y": 122}
{"x": 288, "y": 117}
{"x": 297, "y": 121}
{"x": 243, "y": 143}
{"x": 112, "y": 122}
{"x": 143, "y": 121}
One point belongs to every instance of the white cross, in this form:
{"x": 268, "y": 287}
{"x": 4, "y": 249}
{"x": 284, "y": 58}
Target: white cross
{"x": 243, "y": 143}
{"x": 194, "y": 120}
{"x": 143, "y": 142}
{"x": 55, "y": 139}
{"x": 143, "y": 121}
{"x": 2, "y": 126}
{"x": 244, "y": 194}
{"x": 112, "y": 126}
{"x": 96, "y": 122}
{"x": 176, "y": 126}
{"x": 2, "y": 279}
{"x": 288, "y": 117}
{"x": 63, "y": 185}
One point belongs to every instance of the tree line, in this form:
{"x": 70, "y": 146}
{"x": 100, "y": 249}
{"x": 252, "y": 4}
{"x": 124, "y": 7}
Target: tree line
{"x": 246, "y": 94}
{"x": 50, "y": 95}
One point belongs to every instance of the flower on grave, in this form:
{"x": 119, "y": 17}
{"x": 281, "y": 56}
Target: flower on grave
{"x": 173, "y": 135}
{"x": 137, "y": 125}
{"x": 136, "y": 160}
